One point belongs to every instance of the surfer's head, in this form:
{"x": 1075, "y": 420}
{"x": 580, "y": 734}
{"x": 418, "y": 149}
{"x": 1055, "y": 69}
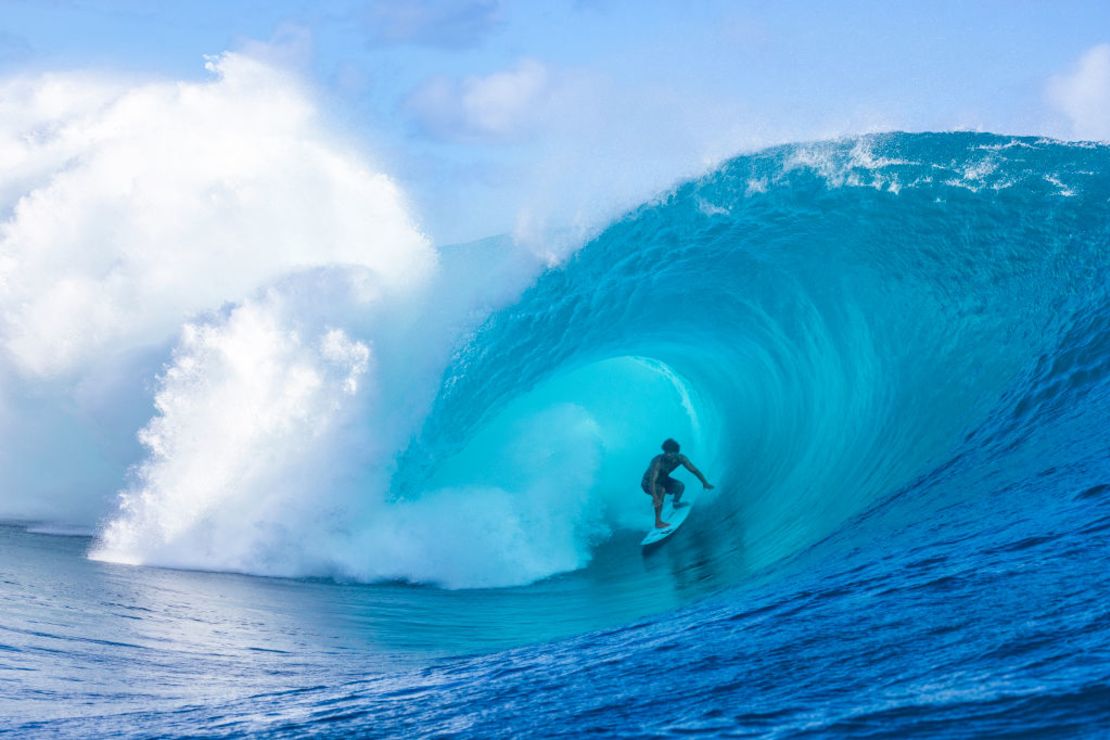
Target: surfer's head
{"x": 670, "y": 446}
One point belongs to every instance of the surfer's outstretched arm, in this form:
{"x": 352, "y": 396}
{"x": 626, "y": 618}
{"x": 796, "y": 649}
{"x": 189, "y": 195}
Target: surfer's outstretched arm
{"x": 690, "y": 466}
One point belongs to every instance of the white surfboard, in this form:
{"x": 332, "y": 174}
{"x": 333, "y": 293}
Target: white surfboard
{"x": 675, "y": 517}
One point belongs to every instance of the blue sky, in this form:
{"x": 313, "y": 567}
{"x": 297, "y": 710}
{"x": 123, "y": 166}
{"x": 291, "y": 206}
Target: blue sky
{"x": 496, "y": 115}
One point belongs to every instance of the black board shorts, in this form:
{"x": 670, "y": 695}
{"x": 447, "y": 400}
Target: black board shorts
{"x": 666, "y": 482}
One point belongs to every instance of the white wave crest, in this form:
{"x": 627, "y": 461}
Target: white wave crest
{"x": 127, "y": 208}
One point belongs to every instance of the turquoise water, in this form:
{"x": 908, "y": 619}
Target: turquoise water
{"x": 892, "y": 356}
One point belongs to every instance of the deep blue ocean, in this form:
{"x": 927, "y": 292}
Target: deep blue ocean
{"x": 891, "y": 354}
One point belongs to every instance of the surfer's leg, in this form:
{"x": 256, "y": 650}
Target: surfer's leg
{"x": 657, "y": 502}
{"x": 676, "y": 487}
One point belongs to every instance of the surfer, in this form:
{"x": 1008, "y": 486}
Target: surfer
{"x": 657, "y": 480}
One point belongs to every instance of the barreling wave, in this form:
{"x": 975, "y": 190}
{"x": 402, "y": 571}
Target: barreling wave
{"x": 820, "y": 325}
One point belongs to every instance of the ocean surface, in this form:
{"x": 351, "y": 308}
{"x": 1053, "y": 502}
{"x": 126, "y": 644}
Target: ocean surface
{"x": 891, "y": 354}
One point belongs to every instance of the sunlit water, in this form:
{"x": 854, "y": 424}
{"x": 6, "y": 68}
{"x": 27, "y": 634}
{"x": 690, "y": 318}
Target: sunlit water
{"x": 893, "y": 357}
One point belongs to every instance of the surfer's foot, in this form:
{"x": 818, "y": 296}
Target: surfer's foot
{"x": 660, "y": 524}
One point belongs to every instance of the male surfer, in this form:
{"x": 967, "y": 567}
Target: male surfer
{"x": 657, "y": 480}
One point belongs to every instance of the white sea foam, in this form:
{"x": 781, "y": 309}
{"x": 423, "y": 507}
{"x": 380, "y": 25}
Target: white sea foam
{"x": 756, "y": 185}
{"x": 710, "y": 209}
{"x": 858, "y": 167}
{"x": 317, "y": 323}
{"x": 276, "y": 437}
{"x": 978, "y": 174}
{"x": 1064, "y": 190}
{"x": 1011, "y": 144}
{"x": 131, "y": 206}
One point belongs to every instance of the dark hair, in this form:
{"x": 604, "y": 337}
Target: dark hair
{"x": 669, "y": 445}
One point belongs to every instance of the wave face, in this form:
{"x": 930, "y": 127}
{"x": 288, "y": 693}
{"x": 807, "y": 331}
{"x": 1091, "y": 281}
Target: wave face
{"x": 892, "y": 356}
{"x": 820, "y": 325}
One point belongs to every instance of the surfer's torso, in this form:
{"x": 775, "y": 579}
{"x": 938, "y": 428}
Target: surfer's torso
{"x": 665, "y": 464}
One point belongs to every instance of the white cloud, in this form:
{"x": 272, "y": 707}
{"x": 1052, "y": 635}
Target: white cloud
{"x": 130, "y": 207}
{"x": 1083, "y": 94}
{"x": 499, "y": 105}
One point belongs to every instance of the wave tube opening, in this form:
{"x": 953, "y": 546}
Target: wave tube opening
{"x": 839, "y": 316}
